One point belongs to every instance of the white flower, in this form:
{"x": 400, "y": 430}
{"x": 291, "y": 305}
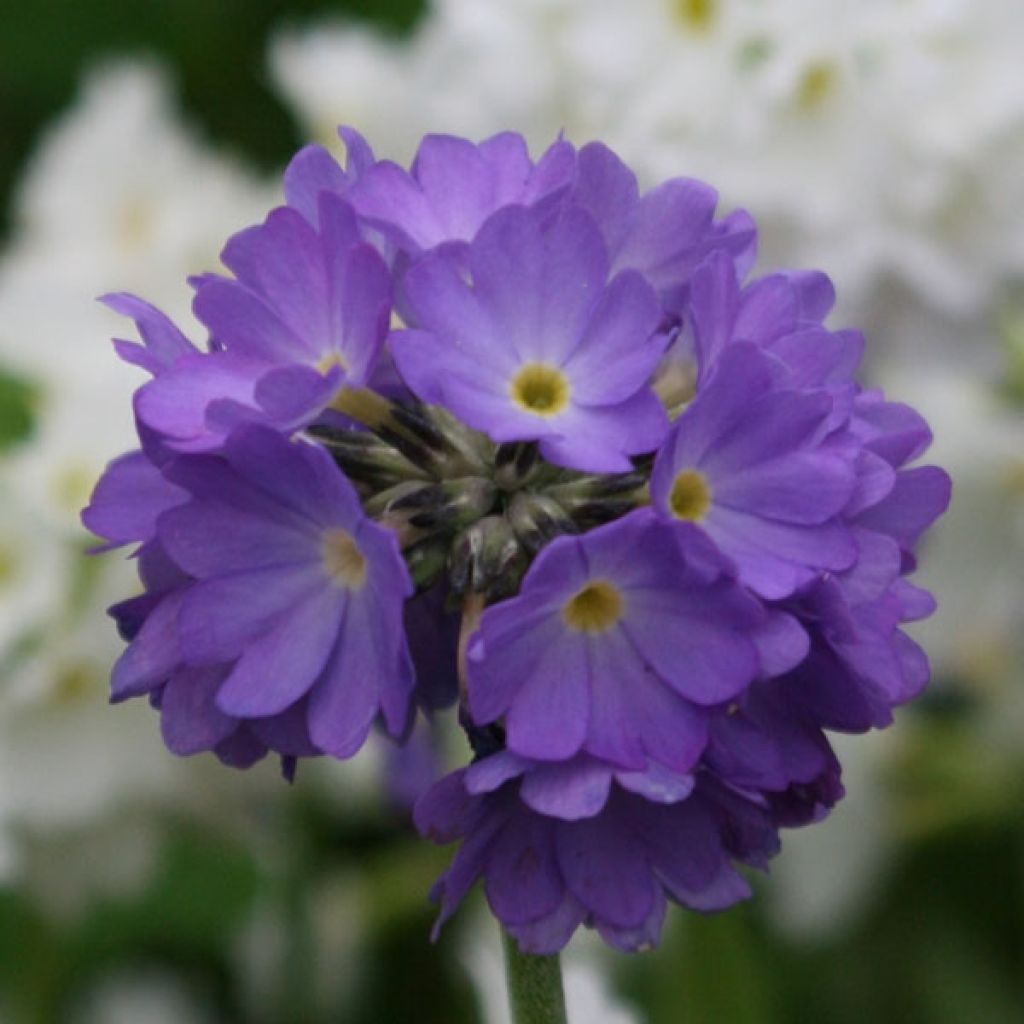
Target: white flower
{"x": 33, "y": 571}
{"x": 973, "y": 561}
{"x": 873, "y": 139}
{"x": 340, "y": 74}
{"x": 121, "y": 194}
{"x": 118, "y": 196}
{"x": 828, "y": 874}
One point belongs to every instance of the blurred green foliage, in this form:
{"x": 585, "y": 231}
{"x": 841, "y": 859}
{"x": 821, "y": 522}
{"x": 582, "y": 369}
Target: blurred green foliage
{"x": 17, "y": 400}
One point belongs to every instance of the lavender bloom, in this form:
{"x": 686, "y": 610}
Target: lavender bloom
{"x": 746, "y": 461}
{"x": 576, "y": 843}
{"x": 305, "y": 317}
{"x": 313, "y": 170}
{"x": 665, "y": 234}
{"x": 615, "y": 645}
{"x": 454, "y": 186}
{"x": 768, "y": 312}
{"x": 540, "y": 345}
{"x": 286, "y": 613}
{"x": 632, "y": 511}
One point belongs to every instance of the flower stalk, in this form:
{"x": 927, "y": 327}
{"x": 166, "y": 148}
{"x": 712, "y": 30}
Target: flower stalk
{"x": 535, "y": 993}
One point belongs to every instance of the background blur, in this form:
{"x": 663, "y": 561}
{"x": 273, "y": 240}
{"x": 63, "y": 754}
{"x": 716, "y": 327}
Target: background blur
{"x": 882, "y": 141}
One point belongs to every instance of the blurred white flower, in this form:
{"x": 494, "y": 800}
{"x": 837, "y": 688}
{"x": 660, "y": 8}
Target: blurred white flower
{"x": 33, "y": 571}
{"x": 119, "y": 195}
{"x": 828, "y": 874}
{"x": 973, "y": 561}
{"x": 872, "y": 139}
{"x": 122, "y": 194}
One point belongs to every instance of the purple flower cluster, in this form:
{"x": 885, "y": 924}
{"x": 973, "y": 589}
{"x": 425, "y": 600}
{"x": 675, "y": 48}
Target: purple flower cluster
{"x": 514, "y": 434}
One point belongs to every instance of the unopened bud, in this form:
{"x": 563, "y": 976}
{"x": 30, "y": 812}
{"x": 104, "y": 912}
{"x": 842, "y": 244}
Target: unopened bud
{"x": 514, "y": 463}
{"x": 397, "y": 498}
{"x": 536, "y": 519}
{"x": 426, "y": 561}
{"x": 486, "y": 558}
{"x": 469, "y": 451}
{"x": 450, "y": 505}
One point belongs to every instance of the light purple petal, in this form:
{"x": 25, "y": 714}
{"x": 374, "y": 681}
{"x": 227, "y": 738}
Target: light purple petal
{"x": 282, "y": 261}
{"x": 799, "y": 487}
{"x": 311, "y": 171}
{"x": 280, "y": 666}
{"x": 164, "y": 342}
{"x": 549, "y": 716}
{"x": 222, "y": 617}
{"x": 130, "y": 496}
{"x": 618, "y": 351}
{"x": 247, "y": 325}
{"x": 346, "y": 699}
{"x": 569, "y": 790}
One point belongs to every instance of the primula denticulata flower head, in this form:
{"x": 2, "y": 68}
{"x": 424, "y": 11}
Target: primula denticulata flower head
{"x": 508, "y": 434}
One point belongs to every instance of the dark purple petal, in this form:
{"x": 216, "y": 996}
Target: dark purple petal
{"x": 190, "y": 720}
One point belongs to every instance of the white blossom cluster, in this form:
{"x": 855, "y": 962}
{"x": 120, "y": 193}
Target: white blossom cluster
{"x": 879, "y": 138}
{"x": 118, "y": 195}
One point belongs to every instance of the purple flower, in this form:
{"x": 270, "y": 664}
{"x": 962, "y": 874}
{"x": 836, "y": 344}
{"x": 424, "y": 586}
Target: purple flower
{"x": 313, "y": 170}
{"x": 747, "y": 463}
{"x": 286, "y": 613}
{"x": 616, "y": 644}
{"x": 128, "y": 500}
{"x": 768, "y": 312}
{"x": 454, "y": 185}
{"x": 631, "y": 511}
{"x": 538, "y": 344}
{"x": 666, "y": 233}
{"x": 305, "y": 317}
{"x": 772, "y": 745}
{"x": 557, "y": 846}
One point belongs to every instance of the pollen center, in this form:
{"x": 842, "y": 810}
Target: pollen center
{"x": 343, "y": 560}
{"x": 595, "y": 609}
{"x": 696, "y": 14}
{"x": 690, "y": 496}
{"x": 331, "y": 360}
{"x": 817, "y": 84}
{"x": 540, "y": 389}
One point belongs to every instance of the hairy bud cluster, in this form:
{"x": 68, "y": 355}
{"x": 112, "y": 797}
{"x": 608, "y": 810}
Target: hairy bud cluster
{"x": 468, "y": 507}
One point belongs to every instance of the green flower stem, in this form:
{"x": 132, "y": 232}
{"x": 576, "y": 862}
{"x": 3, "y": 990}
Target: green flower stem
{"x": 534, "y": 986}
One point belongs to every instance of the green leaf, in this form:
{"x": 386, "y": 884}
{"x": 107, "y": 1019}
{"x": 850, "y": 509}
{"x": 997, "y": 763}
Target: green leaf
{"x": 18, "y": 400}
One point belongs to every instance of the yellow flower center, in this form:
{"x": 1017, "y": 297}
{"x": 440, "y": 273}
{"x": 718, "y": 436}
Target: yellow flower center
{"x": 540, "y": 389}
{"x": 690, "y": 496}
{"x": 9, "y": 565}
{"x": 595, "y": 609}
{"x": 696, "y": 14}
{"x": 331, "y": 360}
{"x": 343, "y": 560}
{"x": 72, "y": 485}
{"x": 76, "y": 683}
{"x": 818, "y": 82}
{"x": 135, "y": 224}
